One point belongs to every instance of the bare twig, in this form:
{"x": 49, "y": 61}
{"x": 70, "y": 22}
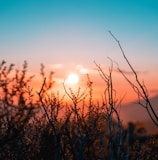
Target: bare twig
{"x": 139, "y": 87}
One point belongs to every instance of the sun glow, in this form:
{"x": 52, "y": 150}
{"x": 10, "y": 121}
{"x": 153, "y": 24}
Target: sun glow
{"x": 72, "y": 78}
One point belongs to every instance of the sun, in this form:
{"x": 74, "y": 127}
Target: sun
{"x": 72, "y": 78}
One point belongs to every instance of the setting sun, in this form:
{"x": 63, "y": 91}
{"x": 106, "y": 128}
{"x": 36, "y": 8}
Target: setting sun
{"x": 72, "y": 78}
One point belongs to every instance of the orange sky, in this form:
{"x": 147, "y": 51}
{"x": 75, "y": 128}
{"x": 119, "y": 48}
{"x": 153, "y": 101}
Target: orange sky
{"x": 123, "y": 89}
{"x": 68, "y": 37}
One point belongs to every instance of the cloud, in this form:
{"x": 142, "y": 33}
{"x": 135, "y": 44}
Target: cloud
{"x": 130, "y": 72}
{"x": 79, "y": 66}
{"x": 56, "y": 66}
{"x": 82, "y": 69}
{"x": 85, "y": 70}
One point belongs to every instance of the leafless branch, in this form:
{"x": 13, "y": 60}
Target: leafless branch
{"x": 139, "y": 88}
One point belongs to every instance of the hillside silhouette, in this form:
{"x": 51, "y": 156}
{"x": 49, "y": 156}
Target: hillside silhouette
{"x": 133, "y": 112}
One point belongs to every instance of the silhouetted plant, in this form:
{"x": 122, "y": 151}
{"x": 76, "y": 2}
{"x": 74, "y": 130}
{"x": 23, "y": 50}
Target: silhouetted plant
{"x": 138, "y": 87}
{"x": 115, "y": 129}
{"x": 50, "y": 128}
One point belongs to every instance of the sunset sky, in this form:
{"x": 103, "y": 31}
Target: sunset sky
{"x": 69, "y": 35}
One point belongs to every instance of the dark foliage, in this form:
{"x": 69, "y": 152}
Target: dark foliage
{"x": 47, "y": 128}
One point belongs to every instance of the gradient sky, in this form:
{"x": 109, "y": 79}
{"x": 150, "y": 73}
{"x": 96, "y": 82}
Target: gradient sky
{"x": 68, "y": 35}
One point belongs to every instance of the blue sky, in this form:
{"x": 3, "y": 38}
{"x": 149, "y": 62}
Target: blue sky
{"x": 72, "y": 32}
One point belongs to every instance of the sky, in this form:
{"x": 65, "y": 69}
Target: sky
{"x": 69, "y": 35}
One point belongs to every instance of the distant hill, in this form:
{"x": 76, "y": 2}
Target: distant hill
{"x": 133, "y": 112}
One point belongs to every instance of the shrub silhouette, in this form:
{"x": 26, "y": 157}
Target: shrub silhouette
{"x": 85, "y": 131}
